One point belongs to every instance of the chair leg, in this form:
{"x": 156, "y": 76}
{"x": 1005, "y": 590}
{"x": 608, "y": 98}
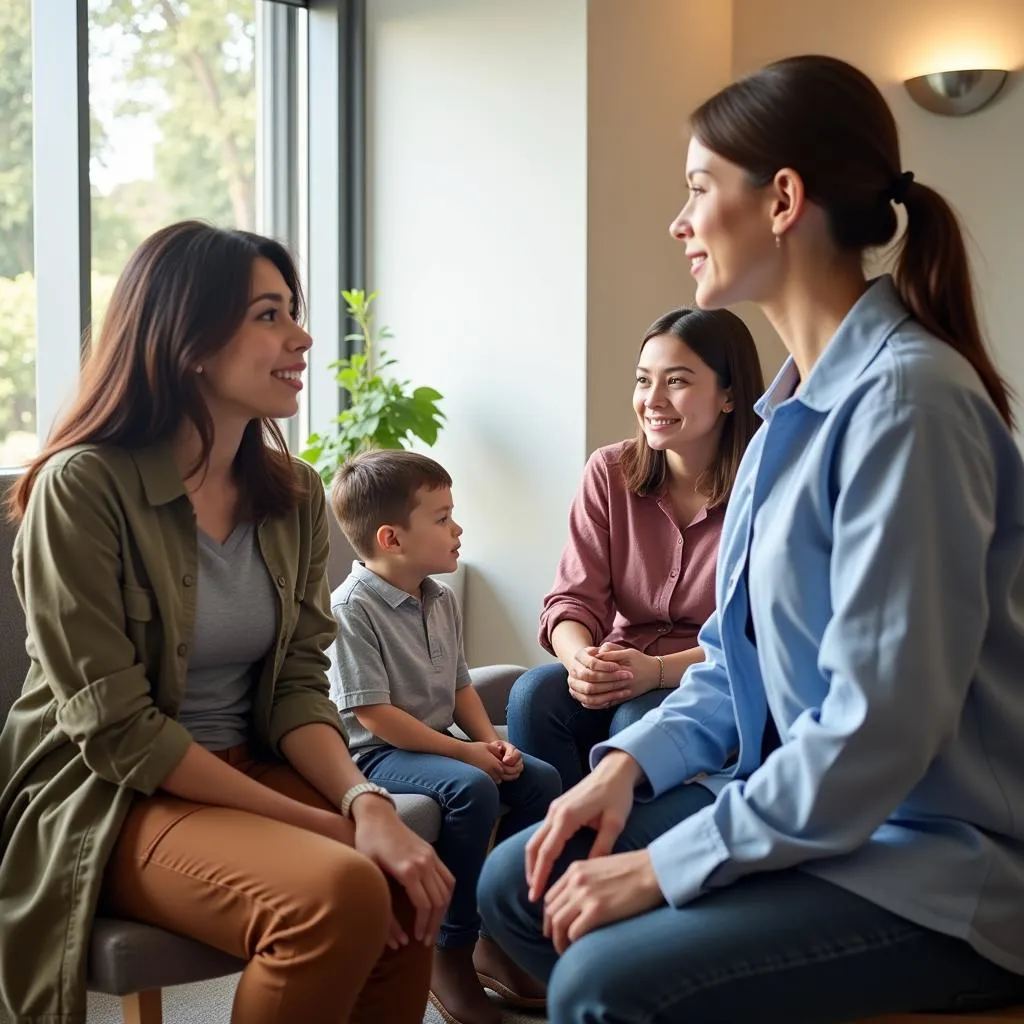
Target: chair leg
{"x": 142, "y": 1007}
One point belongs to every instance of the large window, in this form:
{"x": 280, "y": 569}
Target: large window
{"x": 172, "y": 96}
{"x": 193, "y": 108}
{"x": 17, "y": 286}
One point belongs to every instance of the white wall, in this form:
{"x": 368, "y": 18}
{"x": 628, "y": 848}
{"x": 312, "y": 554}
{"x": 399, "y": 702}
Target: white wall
{"x": 977, "y": 162}
{"x": 479, "y": 231}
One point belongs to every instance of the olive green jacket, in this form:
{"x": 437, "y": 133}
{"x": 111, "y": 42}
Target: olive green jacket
{"x": 105, "y": 566}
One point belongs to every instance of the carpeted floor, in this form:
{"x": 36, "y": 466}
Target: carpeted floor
{"x": 210, "y": 1003}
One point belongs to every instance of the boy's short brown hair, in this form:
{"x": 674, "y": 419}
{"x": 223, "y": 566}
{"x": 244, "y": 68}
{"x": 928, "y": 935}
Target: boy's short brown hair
{"x": 378, "y": 488}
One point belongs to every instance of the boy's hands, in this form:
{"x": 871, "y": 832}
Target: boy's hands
{"x": 481, "y": 756}
{"x": 511, "y": 758}
{"x": 498, "y": 758}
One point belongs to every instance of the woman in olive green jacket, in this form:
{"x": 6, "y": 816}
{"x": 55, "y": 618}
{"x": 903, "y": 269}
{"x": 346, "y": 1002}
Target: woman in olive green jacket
{"x": 174, "y": 756}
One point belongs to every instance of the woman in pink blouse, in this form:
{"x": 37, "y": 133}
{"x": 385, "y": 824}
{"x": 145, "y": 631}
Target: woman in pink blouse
{"x": 637, "y": 578}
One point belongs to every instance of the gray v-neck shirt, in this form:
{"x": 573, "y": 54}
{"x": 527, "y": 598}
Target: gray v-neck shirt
{"x": 235, "y": 626}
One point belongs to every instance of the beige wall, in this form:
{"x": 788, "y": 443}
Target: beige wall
{"x": 977, "y": 162}
{"x": 526, "y": 159}
{"x": 648, "y": 64}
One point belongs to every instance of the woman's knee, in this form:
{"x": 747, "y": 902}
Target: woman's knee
{"x": 348, "y": 893}
{"x": 538, "y": 693}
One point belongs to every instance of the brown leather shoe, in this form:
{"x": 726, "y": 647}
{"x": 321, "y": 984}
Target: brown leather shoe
{"x": 503, "y": 976}
{"x": 456, "y": 992}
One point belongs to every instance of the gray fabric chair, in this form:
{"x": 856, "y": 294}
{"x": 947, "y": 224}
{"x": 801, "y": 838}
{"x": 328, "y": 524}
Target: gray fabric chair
{"x": 135, "y": 961}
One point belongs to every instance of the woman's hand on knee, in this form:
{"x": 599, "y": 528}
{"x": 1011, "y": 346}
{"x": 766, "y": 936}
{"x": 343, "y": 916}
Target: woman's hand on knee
{"x": 412, "y": 862}
{"x": 602, "y": 801}
{"x": 593, "y": 893}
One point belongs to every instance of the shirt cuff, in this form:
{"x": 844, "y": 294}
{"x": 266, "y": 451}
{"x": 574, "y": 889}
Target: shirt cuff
{"x": 654, "y": 750}
{"x": 684, "y": 857}
{"x": 164, "y": 753}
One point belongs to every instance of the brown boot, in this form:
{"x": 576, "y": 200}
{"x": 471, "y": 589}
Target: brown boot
{"x": 456, "y": 991}
{"x": 503, "y": 976}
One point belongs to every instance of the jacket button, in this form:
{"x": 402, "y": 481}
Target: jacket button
{"x": 188, "y": 579}
{"x": 183, "y": 649}
{"x": 281, "y": 581}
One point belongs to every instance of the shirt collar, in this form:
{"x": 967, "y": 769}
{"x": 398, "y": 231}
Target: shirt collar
{"x": 864, "y": 330}
{"x": 158, "y": 471}
{"x": 391, "y": 595}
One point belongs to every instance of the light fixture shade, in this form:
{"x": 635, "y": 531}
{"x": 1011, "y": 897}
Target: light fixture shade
{"x": 955, "y": 93}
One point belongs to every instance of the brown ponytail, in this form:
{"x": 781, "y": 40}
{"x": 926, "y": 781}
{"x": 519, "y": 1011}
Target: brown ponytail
{"x": 934, "y": 281}
{"x": 827, "y": 121}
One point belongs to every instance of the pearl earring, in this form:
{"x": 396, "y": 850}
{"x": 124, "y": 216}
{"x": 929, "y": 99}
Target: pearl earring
{"x": 199, "y": 369}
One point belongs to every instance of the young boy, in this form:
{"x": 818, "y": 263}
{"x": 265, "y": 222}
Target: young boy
{"x": 400, "y": 679}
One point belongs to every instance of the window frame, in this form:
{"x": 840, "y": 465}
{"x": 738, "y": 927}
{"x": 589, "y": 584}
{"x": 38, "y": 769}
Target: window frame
{"x": 328, "y": 229}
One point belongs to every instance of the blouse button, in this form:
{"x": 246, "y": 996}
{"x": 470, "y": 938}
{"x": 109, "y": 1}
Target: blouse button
{"x": 188, "y": 579}
{"x": 673, "y": 574}
{"x": 679, "y": 542}
{"x": 182, "y": 649}
{"x": 281, "y": 581}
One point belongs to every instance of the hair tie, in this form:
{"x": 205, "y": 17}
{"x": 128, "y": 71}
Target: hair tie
{"x": 897, "y": 191}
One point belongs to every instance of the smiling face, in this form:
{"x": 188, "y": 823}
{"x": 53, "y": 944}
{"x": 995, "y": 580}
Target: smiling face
{"x": 430, "y": 543}
{"x": 258, "y": 372}
{"x": 726, "y": 226}
{"x": 678, "y": 400}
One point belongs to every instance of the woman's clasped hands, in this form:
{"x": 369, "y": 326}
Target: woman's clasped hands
{"x": 600, "y": 677}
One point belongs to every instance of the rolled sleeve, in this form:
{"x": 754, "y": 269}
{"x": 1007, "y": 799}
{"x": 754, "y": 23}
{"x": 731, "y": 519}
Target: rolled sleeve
{"x": 68, "y": 567}
{"x": 301, "y": 690}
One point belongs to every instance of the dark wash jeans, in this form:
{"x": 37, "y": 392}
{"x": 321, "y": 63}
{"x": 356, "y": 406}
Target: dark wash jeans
{"x": 545, "y": 719}
{"x": 470, "y": 805}
{"x": 781, "y": 948}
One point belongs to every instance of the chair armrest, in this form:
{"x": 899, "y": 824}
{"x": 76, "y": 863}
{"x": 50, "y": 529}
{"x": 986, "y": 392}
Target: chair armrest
{"x": 494, "y": 683}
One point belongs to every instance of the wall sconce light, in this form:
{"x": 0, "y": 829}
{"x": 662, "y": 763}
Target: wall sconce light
{"x": 955, "y": 93}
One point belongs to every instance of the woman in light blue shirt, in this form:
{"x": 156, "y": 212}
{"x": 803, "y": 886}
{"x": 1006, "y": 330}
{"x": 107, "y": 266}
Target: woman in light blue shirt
{"x": 825, "y": 821}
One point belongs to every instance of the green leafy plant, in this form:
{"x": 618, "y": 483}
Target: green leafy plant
{"x": 382, "y": 411}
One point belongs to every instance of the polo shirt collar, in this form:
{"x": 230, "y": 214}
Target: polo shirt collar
{"x": 390, "y": 594}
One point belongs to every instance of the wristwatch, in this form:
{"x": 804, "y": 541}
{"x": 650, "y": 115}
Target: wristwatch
{"x": 359, "y": 790}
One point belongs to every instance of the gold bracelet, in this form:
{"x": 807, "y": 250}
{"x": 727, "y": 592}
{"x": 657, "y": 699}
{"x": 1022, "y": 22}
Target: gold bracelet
{"x": 661, "y": 671}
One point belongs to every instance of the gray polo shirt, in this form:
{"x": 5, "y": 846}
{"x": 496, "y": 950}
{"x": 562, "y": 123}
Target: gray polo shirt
{"x": 395, "y": 649}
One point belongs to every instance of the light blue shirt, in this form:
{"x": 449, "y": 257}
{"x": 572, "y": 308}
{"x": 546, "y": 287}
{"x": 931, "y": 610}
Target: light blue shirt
{"x": 875, "y": 537}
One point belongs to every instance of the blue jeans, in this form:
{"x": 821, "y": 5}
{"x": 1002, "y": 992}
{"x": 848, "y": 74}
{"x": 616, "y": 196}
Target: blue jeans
{"x": 780, "y": 948}
{"x": 470, "y": 805}
{"x": 544, "y": 719}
